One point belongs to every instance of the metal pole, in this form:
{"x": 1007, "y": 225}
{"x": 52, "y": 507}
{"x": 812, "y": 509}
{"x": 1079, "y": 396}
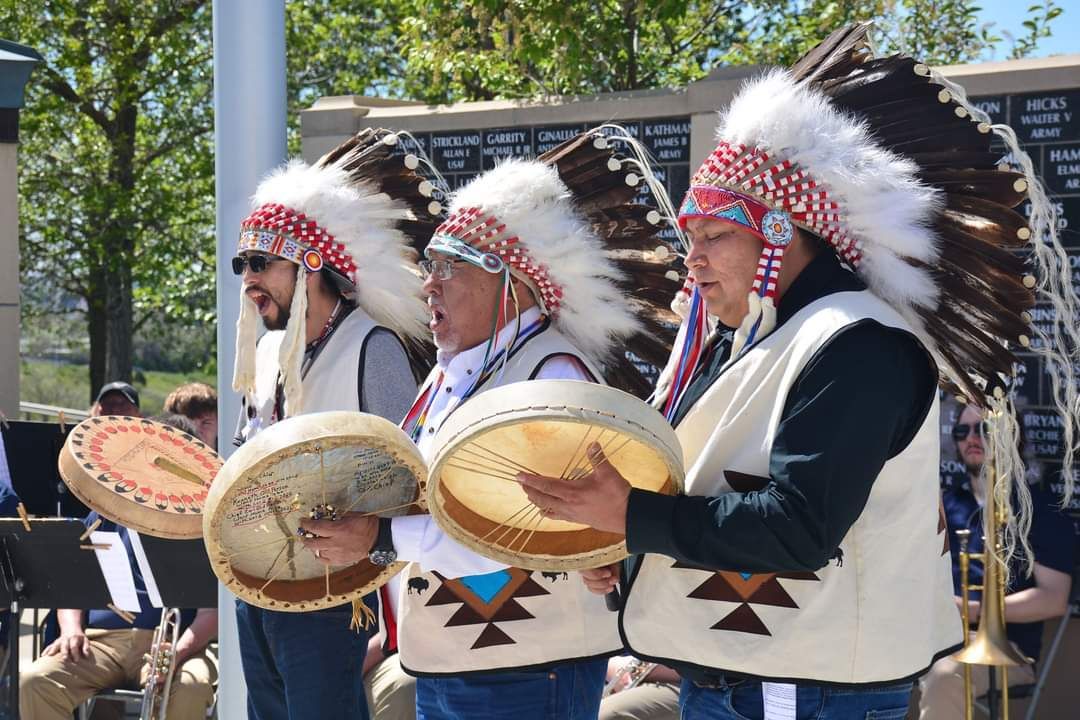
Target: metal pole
{"x": 249, "y": 140}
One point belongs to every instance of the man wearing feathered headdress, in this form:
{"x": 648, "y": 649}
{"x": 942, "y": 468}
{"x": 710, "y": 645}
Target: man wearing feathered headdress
{"x": 521, "y": 286}
{"x": 849, "y": 238}
{"x": 329, "y": 271}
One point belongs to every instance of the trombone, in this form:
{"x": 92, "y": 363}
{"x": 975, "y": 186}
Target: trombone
{"x": 990, "y": 646}
{"x": 161, "y": 661}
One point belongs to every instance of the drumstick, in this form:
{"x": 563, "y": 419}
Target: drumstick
{"x": 93, "y": 526}
{"x": 181, "y": 472}
{"x": 95, "y": 546}
{"x": 123, "y": 614}
{"x": 21, "y": 509}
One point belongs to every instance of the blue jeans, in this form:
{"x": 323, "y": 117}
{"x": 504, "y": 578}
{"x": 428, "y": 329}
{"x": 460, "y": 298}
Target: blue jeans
{"x": 742, "y": 701}
{"x": 570, "y": 691}
{"x": 301, "y": 666}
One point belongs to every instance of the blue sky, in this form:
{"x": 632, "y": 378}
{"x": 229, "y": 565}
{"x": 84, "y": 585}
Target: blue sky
{"x": 1008, "y": 14}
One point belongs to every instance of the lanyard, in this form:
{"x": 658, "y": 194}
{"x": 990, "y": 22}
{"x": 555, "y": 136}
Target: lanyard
{"x": 416, "y": 419}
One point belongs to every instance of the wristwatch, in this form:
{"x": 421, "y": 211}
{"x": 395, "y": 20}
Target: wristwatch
{"x": 382, "y": 552}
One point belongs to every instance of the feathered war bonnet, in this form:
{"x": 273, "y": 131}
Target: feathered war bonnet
{"x": 889, "y": 164}
{"x": 360, "y": 213}
{"x": 566, "y": 224}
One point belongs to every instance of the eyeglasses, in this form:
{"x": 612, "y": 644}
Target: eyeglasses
{"x": 441, "y": 269}
{"x": 961, "y": 431}
{"x": 257, "y": 263}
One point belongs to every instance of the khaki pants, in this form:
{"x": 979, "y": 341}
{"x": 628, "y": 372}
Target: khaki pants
{"x": 391, "y": 693}
{"x": 51, "y": 688}
{"x": 648, "y": 701}
{"x": 942, "y": 688}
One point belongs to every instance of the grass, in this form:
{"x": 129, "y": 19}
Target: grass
{"x": 67, "y": 385}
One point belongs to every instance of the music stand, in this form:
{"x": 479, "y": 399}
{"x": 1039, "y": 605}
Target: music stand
{"x": 29, "y": 564}
{"x": 32, "y": 452}
{"x": 182, "y": 571}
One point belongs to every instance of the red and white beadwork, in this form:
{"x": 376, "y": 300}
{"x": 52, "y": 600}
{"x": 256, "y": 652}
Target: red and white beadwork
{"x": 278, "y": 230}
{"x": 784, "y": 186}
{"x": 487, "y": 234}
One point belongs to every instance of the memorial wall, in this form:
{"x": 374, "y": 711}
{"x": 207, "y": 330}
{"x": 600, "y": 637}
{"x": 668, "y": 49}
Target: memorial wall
{"x": 1047, "y": 124}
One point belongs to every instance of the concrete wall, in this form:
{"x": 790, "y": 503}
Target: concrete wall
{"x": 332, "y": 119}
{"x": 9, "y": 281}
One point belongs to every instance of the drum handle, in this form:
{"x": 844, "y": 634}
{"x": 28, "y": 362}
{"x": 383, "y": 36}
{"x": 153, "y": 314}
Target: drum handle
{"x": 613, "y": 600}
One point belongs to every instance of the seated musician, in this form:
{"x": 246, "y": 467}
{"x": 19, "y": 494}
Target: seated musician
{"x": 100, "y": 650}
{"x": 1030, "y": 599}
{"x": 639, "y": 690}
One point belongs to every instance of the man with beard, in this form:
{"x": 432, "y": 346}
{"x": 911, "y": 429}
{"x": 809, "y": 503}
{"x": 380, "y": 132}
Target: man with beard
{"x": 329, "y": 270}
{"x": 1029, "y": 600}
{"x": 520, "y": 287}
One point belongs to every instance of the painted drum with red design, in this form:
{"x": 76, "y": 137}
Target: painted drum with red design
{"x": 141, "y": 474}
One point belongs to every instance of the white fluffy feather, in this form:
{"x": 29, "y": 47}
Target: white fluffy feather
{"x": 886, "y": 208}
{"x": 535, "y": 205}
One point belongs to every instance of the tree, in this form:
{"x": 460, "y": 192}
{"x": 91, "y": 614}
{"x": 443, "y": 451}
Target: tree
{"x": 522, "y": 48}
{"x": 525, "y": 48}
{"x": 336, "y": 47}
{"x": 116, "y": 171}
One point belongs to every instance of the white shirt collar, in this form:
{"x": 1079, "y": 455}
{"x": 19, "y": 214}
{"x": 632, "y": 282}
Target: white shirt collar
{"x": 467, "y": 362}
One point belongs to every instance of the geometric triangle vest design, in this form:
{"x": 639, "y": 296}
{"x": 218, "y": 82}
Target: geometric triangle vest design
{"x": 487, "y": 600}
{"x": 746, "y": 589}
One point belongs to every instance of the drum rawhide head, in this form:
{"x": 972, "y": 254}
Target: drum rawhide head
{"x": 141, "y": 474}
{"x": 543, "y": 427}
{"x": 330, "y": 463}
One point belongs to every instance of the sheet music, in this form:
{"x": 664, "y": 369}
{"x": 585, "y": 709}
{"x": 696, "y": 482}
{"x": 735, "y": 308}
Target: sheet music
{"x": 144, "y": 568}
{"x": 5, "y": 472}
{"x": 779, "y": 700}
{"x": 116, "y": 569}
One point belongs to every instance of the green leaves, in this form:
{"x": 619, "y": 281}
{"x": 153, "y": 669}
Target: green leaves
{"x": 116, "y": 165}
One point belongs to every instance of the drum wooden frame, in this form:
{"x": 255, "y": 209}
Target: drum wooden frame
{"x": 144, "y": 475}
{"x": 543, "y": 426}
{"x": 364, "y": 464}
